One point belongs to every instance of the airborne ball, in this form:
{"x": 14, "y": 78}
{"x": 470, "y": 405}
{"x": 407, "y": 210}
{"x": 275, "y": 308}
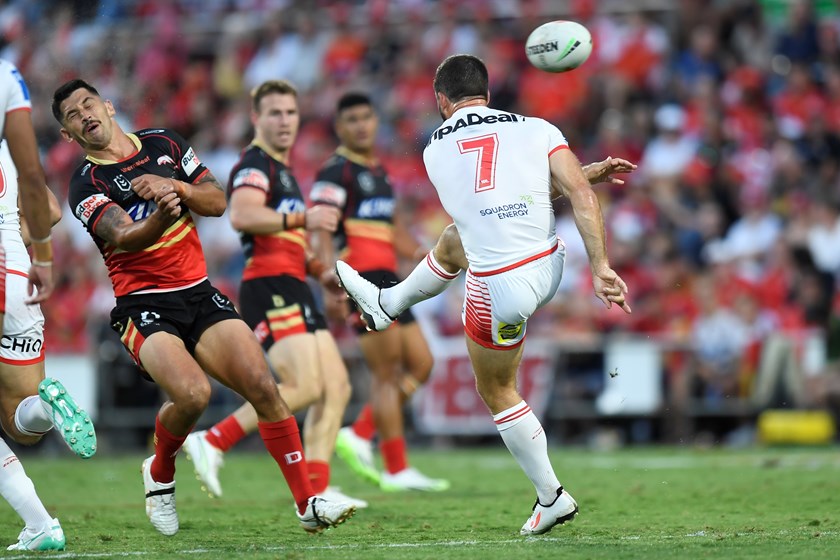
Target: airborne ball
{"x": 558, "y": 46}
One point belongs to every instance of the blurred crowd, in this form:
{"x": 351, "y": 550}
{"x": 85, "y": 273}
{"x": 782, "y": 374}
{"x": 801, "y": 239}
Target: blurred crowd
{"x": 725, "y": 234}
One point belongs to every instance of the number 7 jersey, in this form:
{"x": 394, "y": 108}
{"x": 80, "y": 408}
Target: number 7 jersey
{"x": 490, "y": 169}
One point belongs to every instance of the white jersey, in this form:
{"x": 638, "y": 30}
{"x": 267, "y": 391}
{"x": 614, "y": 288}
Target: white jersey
{"x": 491, "y": 172}
{"x": 13, "y": 97}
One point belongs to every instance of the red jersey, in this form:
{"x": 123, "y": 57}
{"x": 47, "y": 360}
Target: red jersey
{"x": 366, "y": 199}
{"x": 176, "y": 260}
{"x": 274, "y": 254}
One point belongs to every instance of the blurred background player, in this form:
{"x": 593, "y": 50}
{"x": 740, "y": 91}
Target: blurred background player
{"x": 267, "y": 208}
{"x": 371, "y": 237}
{"x": 135, "y": 194}
{"x": 496, "y": 174}
{"x": 30, "y": 405}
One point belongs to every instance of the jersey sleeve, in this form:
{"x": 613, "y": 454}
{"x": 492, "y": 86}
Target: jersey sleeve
{"x": 556, "y": 140}
{"x": 328, "y": 189}
{"x": 88, "y": 198}
{"x": 190, "y": 168}
{"x": 252, "y": 171}
{"x": 15, "y": 94}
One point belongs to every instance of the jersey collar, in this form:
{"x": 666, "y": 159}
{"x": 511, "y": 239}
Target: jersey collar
{"x": 137, "y": 144}
{"x": 346, "y": 153}
{"x": 274, "y": 154}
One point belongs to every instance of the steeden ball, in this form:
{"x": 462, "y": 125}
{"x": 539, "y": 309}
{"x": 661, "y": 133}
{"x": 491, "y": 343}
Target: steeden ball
{"x": 558, "y": 46}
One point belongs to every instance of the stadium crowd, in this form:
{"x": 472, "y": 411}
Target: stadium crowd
{"x": 727, "y": 234}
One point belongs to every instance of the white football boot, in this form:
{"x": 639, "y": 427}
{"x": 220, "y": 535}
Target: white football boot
{"x": 48, "y": 537}
{"x": 334, "y": 494}
{"x": 357, "y": 452}
{"x": 322, "y": 514}
{"x": 160, "y": 501}
{"x": 412, "y": 479}
{"x": 543, "y": 518}
{"x": 366, "y": 296}
{"x": 206, "y": 460}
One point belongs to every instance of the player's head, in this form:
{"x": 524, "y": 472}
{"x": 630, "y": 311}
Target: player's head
{"x": 274, "y": 114}
{"x": 84, "y": 116}
{"x": 356, "y": 122}
{"x": 459, "y": 78}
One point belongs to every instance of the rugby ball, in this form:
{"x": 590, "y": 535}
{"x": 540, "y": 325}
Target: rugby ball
{"x": 558, "y": 46}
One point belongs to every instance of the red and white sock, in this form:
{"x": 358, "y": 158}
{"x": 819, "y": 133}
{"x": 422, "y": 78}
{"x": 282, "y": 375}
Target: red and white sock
{"x": 394, "y": 456}
{"x": 225, "y": 434}
{"x": 364, "y": 426}
{"x": 525, "y": 439}
{"x": 167, "y": 445}
{"x": 427, "y": 280}
{"x": 18, "y": 490}
{"x": 282, "y": 439}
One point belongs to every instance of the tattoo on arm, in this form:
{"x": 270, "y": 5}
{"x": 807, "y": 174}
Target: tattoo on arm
{"x": 110, "y": 221}
{"x": 210, "y": 178}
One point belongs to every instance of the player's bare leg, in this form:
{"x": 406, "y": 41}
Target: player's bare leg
{"x": 417, "y": 359}
{"x": 246, "y": 372}
{"x": 495, "y": 374}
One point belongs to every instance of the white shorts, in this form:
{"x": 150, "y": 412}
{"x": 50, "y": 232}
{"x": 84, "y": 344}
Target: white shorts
{"x": 23, "y": 325}
{"x": 498, "y": 305}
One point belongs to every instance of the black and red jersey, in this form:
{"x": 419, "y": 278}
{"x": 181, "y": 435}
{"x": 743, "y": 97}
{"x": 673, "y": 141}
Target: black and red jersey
{"x": 364, "y": 195}
{"x": 283, "y": 252}
{"x": 176, "y": 260}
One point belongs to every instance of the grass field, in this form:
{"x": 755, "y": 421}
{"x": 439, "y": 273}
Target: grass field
{"x": 646, "y": 504}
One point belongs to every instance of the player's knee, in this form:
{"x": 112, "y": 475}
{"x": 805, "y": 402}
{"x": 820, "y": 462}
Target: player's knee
{"x": 193, "y": 400}
{"x": 262, "y": 393}
{"x": 11, "y": 430}
{"x": 338, "y": 390}
{"x": 449, "y": 252}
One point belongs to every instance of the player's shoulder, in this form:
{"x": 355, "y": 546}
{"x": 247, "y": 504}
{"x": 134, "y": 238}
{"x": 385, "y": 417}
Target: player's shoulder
{"x": 253, "y": 156}
{"x": 155, "y": 134}
{"x": 334, "y": 165}
{"x": 83, "y": 173}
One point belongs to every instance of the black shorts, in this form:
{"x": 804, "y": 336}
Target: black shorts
{"x": 279, "y": 306}
{"x": 182, "y": 313}
{"x": 383, "y": 279}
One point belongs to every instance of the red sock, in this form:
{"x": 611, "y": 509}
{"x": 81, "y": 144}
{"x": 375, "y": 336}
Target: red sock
{"x": 225, "y": 434}
{"x": 393, "y": 454}
{"x": 364, "y": 425}
{"x": 319, "y": 475}
{"x": 282, "y": 439}
{"x": 167, "y": 445}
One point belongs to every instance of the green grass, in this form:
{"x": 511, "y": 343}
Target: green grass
{"x": 645, "y": 504}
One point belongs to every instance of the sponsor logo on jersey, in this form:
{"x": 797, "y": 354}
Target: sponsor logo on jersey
{"x": 474, "y": 119}
{"x": 262, "y": 331}
{"x": 509, "y": 332}
{"x": 328, "y": 193}
{"x": 141, "y": 210}
{"x": 136, "y": 164}
{"x": 506, "y": 210}
{"x": 379, "y": 207}
{"x": 122, "y": 183}
{"x": 85, "y": 209}
{"x": 147, "y": 132}
{"x": 85, "y": 169}
{"x": 285, "y": 180}
{"x": 252, "y": 177}
{"x": 366, "y": 182}
{"x": 288, "y": 205}
{"x": 189, "y": 163}
{"x": 166, "y": 160}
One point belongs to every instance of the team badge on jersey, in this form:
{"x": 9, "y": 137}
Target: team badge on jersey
{"x": 366, "y": 182}
{"x": 122, "y": 183}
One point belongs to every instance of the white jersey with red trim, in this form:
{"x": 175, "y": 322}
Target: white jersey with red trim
{"x": 491, "y": 172}
{"x": 14, "y": 96}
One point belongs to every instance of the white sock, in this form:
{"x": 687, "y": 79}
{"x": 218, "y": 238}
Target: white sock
{"x": 19, "y": 491}
{"x": 427, "y": 280}
{"x": 525, "y": 439}
{"x": 32, "y": 417}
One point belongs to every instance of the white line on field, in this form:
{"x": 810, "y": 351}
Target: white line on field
{"x": 698, "y": 534}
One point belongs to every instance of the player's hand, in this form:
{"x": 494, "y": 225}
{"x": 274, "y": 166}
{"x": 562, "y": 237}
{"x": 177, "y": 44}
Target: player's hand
{"x": 322, "y": 217}
{"x": 601, "y": 171}
{"x": 149, "y": 186}
{"x": 610, "y": 288}
{"x": 169, "y": 205}
{"x": 40, "y": 279}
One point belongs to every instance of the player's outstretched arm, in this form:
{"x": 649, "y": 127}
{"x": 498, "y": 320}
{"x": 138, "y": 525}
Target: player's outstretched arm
{"x": 568, "y": 179}
{"x": 117, "y": 228}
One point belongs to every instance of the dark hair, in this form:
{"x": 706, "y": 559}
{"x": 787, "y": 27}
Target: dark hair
{"x": 271, "y": 86}
{"x": 352, "y": 99}
{"x": 64, "y": 91}
{"x": 461, "y": 76}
